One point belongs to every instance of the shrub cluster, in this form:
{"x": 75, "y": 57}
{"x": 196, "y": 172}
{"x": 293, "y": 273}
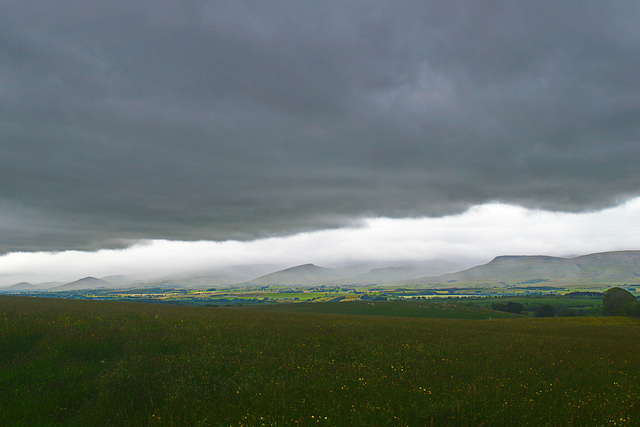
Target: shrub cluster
{"x": 545, "y": 310}
{"x": 620, "y": 302}
{"x": 509, "y": 307}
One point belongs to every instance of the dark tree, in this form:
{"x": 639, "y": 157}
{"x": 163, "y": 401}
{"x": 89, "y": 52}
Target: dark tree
{"x": 618, "y": 302}
{"x": 498, "y": 306}
{"x": 633, "y": 309}
{"x": 514, "y": 307}
{"x": 545, "y": 310}
{"x": 509, "y": 307}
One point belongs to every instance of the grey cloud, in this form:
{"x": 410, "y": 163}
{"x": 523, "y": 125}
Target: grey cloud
{"x": 216, "y": 120}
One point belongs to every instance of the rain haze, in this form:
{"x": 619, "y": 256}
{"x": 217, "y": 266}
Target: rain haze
{"x": 159, "y": 137}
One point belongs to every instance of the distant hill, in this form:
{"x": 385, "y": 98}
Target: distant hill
{"x": 48, "y": 285}
{"x": 227, "y": 275}
{"x": 398, "y": 274}
{"x": 310, "y": 274}
{"x": 84, "y": 283}
{"x": 223, "y": 276}
{"x": 117, "y": 280}
{"x": 22, "y": 286}
{"x": 594, "y": 269}
{"x": 599, "y": 269}
{"x": 307, "y": 274}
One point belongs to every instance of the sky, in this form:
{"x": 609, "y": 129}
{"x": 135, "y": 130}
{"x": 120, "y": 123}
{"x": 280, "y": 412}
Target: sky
{"x": 235, "y": 128}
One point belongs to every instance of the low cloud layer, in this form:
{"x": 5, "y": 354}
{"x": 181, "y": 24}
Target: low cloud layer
{"x": 216, "y": 120}
{"x": 474, "y": 236}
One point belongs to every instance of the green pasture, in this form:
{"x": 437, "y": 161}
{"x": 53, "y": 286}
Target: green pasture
{"x": 78, "y": 363}
{"x": 562, "y": 303}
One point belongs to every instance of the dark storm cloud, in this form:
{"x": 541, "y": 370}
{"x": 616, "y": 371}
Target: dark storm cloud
{"x": 215, "y": 120}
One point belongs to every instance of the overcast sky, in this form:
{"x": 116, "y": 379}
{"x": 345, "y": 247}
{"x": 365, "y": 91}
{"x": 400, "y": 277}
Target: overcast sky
{"x": 133, "y": 121}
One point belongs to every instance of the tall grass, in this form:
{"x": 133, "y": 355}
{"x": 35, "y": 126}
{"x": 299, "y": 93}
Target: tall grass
{"x": 105, "y": 363}
{"x": 435, "y": 308}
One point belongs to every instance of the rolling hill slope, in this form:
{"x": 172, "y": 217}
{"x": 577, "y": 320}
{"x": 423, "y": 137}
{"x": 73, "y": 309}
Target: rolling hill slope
{"x": 621, "y": 267}
{"x": 84, "y": 283}
{"x": 307, "y": 274}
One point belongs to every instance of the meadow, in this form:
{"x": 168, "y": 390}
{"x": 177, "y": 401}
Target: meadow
{"x": 78, "y": 362}
{"x": 433, "y": 308}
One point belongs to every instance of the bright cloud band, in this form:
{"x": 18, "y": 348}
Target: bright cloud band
{"x": 478, "y": 234}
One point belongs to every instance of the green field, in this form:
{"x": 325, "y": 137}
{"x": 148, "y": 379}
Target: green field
{"x": 583, "y": 306}
{"x": 76, "y": 362}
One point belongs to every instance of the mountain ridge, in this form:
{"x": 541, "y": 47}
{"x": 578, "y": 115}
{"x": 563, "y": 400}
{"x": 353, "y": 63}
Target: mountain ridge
{"x": 88, "y": 282}
{"x": 595, "y": 269}
{"x": 304, "y": 274}
{"x": 513, "y": 270}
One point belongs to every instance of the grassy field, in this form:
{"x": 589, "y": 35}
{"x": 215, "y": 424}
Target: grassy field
{"x": 75, "y": 362}
{"x": 435, "y": 309}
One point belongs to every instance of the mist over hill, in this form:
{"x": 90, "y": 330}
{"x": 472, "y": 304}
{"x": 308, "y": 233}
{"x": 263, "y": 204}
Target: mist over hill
{"x": 300, "y": 275}
{"x": 230, "y": 275}
{"x": 400, "y": 273}
{"x": 359, "y": 274}
{"x": 599, "y": 269}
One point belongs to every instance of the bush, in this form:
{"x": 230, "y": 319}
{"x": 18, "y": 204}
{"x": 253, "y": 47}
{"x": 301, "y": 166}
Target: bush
{"x": 514, "y": 307}
{"x": 498, "y": 306}
{"x": 618, "y": 302}
{"x": 509, "y": 307}
{"x": 545, "y": 310}
{"x": 633, "y": 309}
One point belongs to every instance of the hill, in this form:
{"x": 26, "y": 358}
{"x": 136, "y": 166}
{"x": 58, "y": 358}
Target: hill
{"x": 117, "y": 280}
{"x": 22, "y": 286}
{"x": 605, "y": 268}
{"x": 307, "y": 274}
{"x": 402, "y": 273}
{"x": 84, "y": 283}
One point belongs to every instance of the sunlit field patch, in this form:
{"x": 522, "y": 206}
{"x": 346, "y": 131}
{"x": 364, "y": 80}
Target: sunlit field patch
{"x": 107, "y": 363}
